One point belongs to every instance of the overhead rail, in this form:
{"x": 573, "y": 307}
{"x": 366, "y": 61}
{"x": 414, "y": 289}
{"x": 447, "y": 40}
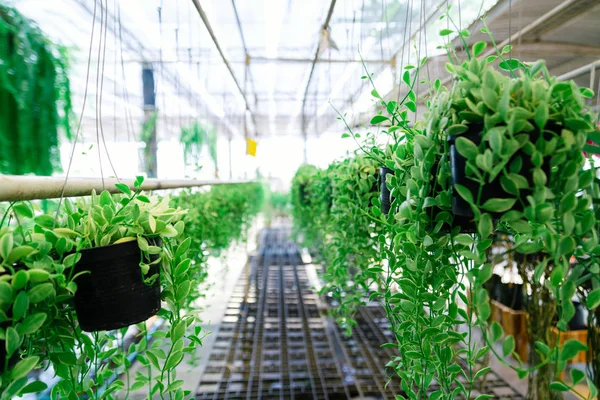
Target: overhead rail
{"x": 589, "y": 68}
{"x": 312, "y": 67}
{"x": 15, "y": 188}
{"x": 220, "y": 50}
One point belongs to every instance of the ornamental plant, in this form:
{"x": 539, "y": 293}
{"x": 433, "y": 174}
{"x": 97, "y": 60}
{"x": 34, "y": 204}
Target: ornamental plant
{"x": 498, "y": 153}
{"x": 526, "y": 133}
{"x": 35, "y": 97}
{"x": 311, "y": 199}
{"x": 32, "y": 297}
{"x": 345, "y": 232}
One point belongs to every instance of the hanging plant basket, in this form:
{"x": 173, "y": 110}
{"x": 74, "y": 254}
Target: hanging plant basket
{"x": 386, "y": 197}
{"x": 304, "y": 196}
{"x": 578, "y": 321}
{"x": 465, "y": 224}
{"x": 113, "y": 293}
{"x": 494, "y": 188}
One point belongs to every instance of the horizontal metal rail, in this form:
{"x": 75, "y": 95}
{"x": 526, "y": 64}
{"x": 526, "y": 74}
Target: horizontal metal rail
{"x": 14, "y": 188}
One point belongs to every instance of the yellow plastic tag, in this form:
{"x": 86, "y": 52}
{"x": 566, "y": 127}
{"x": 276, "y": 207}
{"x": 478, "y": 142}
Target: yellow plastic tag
{"x": 251, "y": 147}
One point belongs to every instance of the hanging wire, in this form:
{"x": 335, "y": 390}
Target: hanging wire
{"x": 424, "y": 25}
{"x": 128, "y": 114}
{"x": 406, "y": 38}
{"x": 460, "y": 17}
{"x": 510, "y": 28}
{"x": 98, "y": 74}
{"x": 100, "y": 98}
{"x": 87, "y": 79}
{"x": 115, "y": 72}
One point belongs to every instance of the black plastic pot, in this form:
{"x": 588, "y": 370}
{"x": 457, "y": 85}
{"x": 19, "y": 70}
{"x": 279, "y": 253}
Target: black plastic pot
{"x": 494, "y": 287}
{"x": 491, "y": 189}
{"x": 511, "y": 295}
{"x": 578, "y": 321}
{"x": 386, "y": 198}
{"x": 113, "y": 293}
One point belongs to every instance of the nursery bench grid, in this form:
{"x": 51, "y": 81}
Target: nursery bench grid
{"x": 276, "y": 343}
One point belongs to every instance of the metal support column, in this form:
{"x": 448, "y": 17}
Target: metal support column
{"x": 151, "y": 150}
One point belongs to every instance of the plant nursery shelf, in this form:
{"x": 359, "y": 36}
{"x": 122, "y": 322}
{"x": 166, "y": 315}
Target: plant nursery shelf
{"x": 13, "y": 188}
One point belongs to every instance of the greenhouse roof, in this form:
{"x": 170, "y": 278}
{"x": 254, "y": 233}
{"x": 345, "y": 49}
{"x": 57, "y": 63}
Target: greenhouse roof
{"x": 271, "y": 47}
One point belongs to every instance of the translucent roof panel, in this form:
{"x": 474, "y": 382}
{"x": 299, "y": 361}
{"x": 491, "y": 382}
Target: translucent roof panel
{"x": 271, "y": 45}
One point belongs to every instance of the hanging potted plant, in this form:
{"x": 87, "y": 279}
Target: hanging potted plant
{"x": 118, "y": 249}
{"x": 33, "y": 296}
{"x": 516, "y": 153}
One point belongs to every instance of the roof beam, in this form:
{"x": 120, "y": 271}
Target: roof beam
{"x": 206, "y": 22}
{"x": 134, "y": 44}
{"x": 314, "y": 63}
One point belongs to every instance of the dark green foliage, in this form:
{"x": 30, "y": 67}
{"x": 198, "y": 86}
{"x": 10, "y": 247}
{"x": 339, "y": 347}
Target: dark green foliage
{"x": 35, "y": 98}
{"x": 194, "y": 137}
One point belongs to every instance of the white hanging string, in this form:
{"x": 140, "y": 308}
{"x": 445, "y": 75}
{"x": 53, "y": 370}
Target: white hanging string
{"x": 100, "y": 116}
{"x": 98, "y": 74}
{"x": 87, "y": 79}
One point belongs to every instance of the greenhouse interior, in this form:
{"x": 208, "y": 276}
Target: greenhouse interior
{"x": 315, "y": 199}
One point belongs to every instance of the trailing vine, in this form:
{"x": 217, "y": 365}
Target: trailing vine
{"x": 35, "y": 97}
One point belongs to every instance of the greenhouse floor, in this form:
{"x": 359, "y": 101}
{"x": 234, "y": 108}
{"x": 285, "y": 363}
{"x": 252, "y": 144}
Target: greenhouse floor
{"x": 275, "y": 340}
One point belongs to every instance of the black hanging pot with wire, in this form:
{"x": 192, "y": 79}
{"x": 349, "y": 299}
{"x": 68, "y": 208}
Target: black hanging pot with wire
{"x": 112, "y": 292}
{"x": 386, "y": 196}
{"x": 494, "y": 189}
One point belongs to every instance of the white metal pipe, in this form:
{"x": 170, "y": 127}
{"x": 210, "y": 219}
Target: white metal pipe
{"x": 525, "y": 30}
{"x": 14, "y": 188}
{"x": 580, "y": 71}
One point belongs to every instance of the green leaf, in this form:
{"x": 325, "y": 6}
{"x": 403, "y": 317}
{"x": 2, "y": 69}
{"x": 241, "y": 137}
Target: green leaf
{"x": 31, "y": 323}
{"x": 490, "y": 98}
{"x": 20, "y": 280}
{"x": 378, "y": 119}
{"x": 41, "y": 292}
{"x": 23, "y": 367}
{"x": 482, "y": 372}
{"x": 587, "y": 92}
{"x": 566, "y": 245}
{"x": 464, "y": 193}
{"x": 466, "y": 148}
{"x": 576, "y": 375}
{"x": 18, "y": 253}
{"x": 542, "y": 347}
{"x": 509, "y": 65}
{"x": 20, "y": 306}
{"x": 593, "y": 299}
{"x": 13, "y": 340}
{"x": 411, "y": 106}
{"x": 497, "y": 331}
{"x": 34, "y": 387}
{"x": 485, "y": 225}
{"x": 559, "y": 386}
{"x": 457, "y": 129}
{"x": 592, "y": 387}
{"x": 498, "y": 205}
{"x": 6, "y": 245}
{"x": 571, "y": 348}
{"x": 174, "y": 360}
{"x": 123, "y": 188}
{"x": 375, "y": 93}
{"x": 152, "y": 223}
{"x": 478, "y": 48}
{"x": 23, "y": 209}
{"x": 6, "y": 292}
{"x": 508, "y": 346}
{"x": 541, "y": 115}
{"x": 446, "y": 32}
